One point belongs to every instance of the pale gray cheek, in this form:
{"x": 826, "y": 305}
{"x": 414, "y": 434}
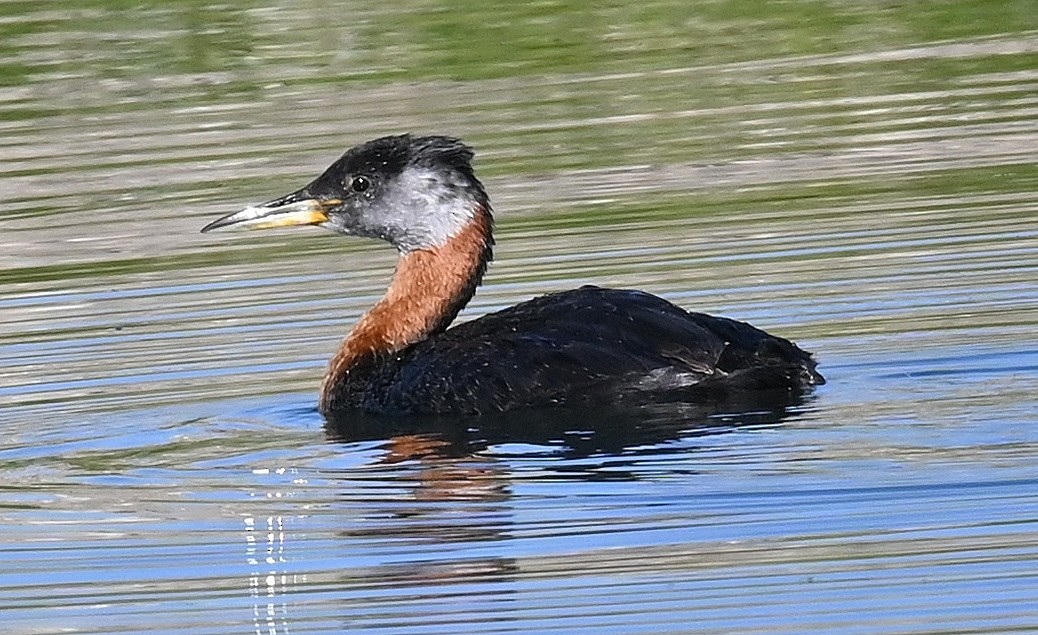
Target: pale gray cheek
{"x": 335, "y": 224}
{"x": 418, "y": 211}
{"x": 423, "y": 211}
{"x": 350, "y": 227}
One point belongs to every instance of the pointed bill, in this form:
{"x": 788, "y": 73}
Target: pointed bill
{"x": 284, "y": 212}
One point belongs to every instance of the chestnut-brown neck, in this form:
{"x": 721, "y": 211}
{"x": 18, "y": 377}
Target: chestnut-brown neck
{"x": 428, "y": 290}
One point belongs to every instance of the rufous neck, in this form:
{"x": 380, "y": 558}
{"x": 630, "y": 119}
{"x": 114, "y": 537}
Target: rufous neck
{"x": 429, "y": 288}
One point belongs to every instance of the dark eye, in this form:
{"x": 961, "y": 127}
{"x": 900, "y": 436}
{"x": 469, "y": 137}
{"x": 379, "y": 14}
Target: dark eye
{"x": 360, "y": 184}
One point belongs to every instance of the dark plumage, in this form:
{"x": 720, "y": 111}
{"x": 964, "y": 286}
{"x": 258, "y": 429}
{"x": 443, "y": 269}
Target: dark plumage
{"x": 585, "y": 346}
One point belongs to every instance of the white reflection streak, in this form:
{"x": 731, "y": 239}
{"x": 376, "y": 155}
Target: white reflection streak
{"x": 265, "y": 619}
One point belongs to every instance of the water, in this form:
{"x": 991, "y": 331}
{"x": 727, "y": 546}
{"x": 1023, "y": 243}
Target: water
{"x": 859, "y": 178}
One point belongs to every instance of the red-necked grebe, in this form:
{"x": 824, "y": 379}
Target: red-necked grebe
{"x": 589, "y": 344}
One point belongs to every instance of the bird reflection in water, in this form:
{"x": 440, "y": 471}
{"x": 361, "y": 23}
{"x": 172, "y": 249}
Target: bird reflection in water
{"x": 570, "y": 432}
{"x": 453, "y": 479}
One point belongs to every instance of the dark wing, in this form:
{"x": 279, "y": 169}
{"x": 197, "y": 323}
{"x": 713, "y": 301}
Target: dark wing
{"x": 588, "y": 344}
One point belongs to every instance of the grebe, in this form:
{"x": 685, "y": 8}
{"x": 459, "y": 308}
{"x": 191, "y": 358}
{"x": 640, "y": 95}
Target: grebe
{"x": 587, "y": 345}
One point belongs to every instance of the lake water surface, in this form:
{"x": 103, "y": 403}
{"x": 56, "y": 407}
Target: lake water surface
{"x": 859, "y": 177}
